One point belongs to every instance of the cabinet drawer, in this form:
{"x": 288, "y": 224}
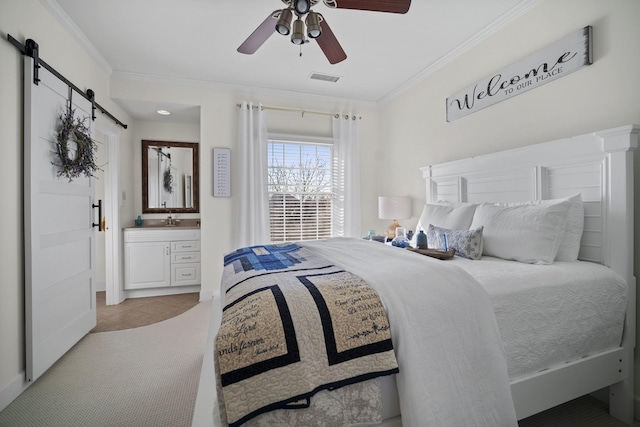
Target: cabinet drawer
{"x": 185, "y": 274}
{"x": 175, "y": 234}
{"x": 185, "y": 257}
{"x": 185, "y": 246}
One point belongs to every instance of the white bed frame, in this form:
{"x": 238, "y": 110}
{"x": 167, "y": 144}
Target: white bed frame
{"x": 600, "y": 167}
{"x": 597, "y": 165}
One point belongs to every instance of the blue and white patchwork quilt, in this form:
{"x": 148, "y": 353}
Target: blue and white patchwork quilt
{"x": 293, "y": 325}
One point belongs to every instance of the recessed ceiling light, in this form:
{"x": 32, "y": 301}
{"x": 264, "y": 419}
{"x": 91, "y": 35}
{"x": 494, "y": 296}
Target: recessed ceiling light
{"x": 163, "y": 112}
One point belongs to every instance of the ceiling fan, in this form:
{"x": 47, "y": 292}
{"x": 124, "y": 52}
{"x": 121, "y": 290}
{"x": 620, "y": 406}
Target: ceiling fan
{"x": 281, "y": 21}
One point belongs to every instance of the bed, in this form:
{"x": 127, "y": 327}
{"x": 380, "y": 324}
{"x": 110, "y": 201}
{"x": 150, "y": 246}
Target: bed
{"x": 599, "y": 168}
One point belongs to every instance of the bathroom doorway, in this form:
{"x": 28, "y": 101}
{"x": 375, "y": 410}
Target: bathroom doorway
{"x": 108, "y": 272}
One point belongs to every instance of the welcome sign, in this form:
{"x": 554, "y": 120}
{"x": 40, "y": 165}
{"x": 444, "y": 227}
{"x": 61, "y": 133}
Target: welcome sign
{"x": 556, "y": 60}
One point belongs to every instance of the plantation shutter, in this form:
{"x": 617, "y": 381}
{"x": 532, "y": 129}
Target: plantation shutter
{"x": 300, "y": 192}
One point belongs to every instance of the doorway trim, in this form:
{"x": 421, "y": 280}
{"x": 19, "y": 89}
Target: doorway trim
{"x": 114, "y": 293}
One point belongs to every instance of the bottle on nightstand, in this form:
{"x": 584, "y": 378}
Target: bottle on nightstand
{"x": 421, "y": 240}
{"x": 400, "y": 240}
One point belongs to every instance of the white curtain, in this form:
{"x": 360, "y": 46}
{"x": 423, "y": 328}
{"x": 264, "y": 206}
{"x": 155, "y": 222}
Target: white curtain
{"x": 346, "y": 175}
{"x": 251, "y": 199}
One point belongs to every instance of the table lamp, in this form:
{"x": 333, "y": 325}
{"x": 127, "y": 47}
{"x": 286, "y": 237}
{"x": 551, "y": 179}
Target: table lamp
{"x": 394, "y": 208}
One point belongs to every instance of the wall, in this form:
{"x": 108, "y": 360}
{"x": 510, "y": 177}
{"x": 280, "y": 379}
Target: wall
{"x": 218, "y": 129}
{"x": 24, "y": 19}
{"x": 176, "y": 132}
{"x": 601, "y": 96}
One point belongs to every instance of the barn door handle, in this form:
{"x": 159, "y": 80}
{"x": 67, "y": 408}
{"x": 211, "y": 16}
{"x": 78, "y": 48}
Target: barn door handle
{"x": 99, "y": 224}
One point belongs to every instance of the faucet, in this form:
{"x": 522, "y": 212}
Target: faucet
{"x": 170, "y": 220}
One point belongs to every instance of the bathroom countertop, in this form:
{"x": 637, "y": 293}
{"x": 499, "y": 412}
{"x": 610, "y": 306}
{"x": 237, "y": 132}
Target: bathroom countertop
{"x": 155, "y": 224}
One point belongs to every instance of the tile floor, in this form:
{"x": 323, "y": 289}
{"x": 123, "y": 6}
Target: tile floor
{"x": 136, "y": 312}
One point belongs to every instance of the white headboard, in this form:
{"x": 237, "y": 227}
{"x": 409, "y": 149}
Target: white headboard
{"x": 598, "y": 165}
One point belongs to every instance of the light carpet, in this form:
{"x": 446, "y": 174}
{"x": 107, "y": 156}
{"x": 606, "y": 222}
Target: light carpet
{"x": 146, "y": 376}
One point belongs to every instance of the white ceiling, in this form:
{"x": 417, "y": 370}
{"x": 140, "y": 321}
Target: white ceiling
{"x": 196, "y": 41}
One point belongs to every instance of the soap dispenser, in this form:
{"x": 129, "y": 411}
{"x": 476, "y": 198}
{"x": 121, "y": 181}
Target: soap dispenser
{"x": 139, "y": 221}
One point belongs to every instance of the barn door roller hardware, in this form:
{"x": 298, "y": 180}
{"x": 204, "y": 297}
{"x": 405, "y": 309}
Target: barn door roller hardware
{"x": 30, "y": 48}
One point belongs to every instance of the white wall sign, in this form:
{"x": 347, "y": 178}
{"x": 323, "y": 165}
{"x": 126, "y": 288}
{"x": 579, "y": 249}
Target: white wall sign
{"x": 221, "y": 172}
{"x": 556, "y": 60}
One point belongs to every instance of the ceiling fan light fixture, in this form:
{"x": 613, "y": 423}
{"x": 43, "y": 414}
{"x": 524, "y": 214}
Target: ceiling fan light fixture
{"x": 297, "y": 37}
{"x": 302, "y": 6}
{"x": 283, "y": 26}
{"x": 313, "y": 25}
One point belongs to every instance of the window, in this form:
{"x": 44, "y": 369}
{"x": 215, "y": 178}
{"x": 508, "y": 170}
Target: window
{"x": 300, "y": 192}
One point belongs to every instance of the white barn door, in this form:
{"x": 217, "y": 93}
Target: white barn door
{"x": 59, "y": 237}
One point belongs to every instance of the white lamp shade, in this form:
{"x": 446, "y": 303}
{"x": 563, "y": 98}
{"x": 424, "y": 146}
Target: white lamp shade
{"x": 394, "y": 207}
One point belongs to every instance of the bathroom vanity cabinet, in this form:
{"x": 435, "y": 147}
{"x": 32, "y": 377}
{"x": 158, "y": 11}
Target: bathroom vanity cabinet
{"x": 161, "y": 258}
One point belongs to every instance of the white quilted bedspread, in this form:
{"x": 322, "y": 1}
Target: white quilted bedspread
{"x": 551, "y": 314}
{"x": 452, "y": 366}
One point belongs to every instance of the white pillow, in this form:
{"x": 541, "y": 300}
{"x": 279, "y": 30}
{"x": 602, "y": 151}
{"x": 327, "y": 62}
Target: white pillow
{"x": 454, "y": 216}
{"x": 526, "y": 232}
{"x": 570, "y": 241}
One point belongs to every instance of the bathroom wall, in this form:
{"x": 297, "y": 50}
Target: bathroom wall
{"x": 155, "y": 131}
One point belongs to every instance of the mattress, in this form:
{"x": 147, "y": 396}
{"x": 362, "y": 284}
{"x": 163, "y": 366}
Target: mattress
{"x": 551, "y": 314}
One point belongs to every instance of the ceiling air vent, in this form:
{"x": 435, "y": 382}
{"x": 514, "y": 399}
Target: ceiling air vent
{"x": 324, "y": 77}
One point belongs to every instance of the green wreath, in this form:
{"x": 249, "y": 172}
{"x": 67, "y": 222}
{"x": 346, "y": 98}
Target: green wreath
{"x": 84, "y": 161}
{"x": 168, "y": 181}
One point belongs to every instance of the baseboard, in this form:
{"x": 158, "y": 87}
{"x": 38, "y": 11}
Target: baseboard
{"x": 101, "y": 286}
{"x": 154, "y": 292}
{"x": 206, "y": 295}
{"x": 12, "y": 390}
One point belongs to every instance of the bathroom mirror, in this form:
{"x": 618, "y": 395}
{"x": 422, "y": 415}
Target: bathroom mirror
{"x": 170, "y": 177}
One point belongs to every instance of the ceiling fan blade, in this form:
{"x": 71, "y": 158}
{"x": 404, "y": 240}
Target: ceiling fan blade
{"x": 392, "y": 6}
{"x": 260, "y": 34}
{"x": 329, "y": 44}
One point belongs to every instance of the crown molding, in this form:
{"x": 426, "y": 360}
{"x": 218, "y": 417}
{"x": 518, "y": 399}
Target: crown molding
{"x": 67, "y": 23}
{"x": 61, "y": 16}
{"x": 515, "y": 12}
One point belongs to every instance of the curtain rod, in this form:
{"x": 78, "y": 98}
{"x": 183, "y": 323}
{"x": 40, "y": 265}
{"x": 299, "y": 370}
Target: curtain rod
{"x": 30, "y": 48}
{"x": 302, "y": 112}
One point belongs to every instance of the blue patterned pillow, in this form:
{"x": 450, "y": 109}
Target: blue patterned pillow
{"x": 467, "y": 243}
